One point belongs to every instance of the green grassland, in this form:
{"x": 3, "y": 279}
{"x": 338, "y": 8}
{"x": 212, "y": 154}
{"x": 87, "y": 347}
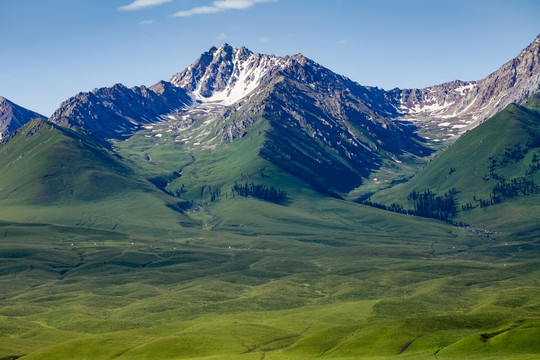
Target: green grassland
{"x": 336, "y": 280}
{"x": 158, "y": 266}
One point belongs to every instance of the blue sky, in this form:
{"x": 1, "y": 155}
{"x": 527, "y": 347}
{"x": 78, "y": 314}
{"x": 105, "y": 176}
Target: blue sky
{"x": 53, "y": 49}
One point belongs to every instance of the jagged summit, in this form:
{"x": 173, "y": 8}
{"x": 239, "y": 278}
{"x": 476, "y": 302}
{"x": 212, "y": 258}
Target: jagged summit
{"x": 227, "y": 74}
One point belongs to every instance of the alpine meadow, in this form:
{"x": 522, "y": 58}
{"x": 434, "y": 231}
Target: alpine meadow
{"x": 264, "y": 207}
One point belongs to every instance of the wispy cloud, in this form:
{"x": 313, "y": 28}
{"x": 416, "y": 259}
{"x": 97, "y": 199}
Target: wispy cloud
{"x": 220, "y": 6}
{"x": 141, "y": 4}
{"x": 146, "y": 22}
{"x": 264, "y": 39}
{"x": 222, "y": 36}
{"x": 341, "y": 42}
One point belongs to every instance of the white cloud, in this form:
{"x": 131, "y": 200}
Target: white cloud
{"x": 264, "y": 39}
{"x": 146, "y": 22}
{"x": 141, "y": 4}
{"x": 341, "y": 42}
{"x": 198, "y": 11}
{"x": 221, "y": 6}
{"x": 235, "y": 4}
{"x": 222, "y": 36}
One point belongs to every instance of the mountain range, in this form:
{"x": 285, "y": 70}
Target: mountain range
{"x": 256, "y": 206}
{"x": 321, "y": 127}
{"x": 225, "y": 76}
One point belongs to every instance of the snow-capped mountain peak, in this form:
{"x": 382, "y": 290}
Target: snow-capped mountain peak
{"x": 227, "y": 74}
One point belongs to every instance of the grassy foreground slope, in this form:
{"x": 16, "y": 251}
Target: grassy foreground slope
{"x": 332, "y": 280}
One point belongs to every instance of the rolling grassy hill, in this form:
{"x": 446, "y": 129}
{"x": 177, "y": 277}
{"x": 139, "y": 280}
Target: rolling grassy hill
{"x": 53, "y": 175}
{"x": 317, "y": 278}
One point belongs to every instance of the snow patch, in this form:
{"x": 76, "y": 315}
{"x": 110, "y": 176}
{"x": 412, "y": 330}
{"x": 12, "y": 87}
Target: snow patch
{"x": 464, "y": 89}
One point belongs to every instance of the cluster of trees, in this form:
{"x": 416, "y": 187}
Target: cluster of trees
{"x": 513, "y": 154}
{"x": 431, "y": 205}
{"x": 394, "y": 207}
{"x": 534, "y": 166}
{"x": 426, "y": 204}
{"x": 263, "y": 192}
{"x": 178, "y": 192}
{"x": 259, "y": 191}
{"x": 507, "y": 189}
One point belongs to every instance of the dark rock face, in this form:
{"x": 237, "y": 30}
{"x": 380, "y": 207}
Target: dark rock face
{"x": 13, "y": 116}
{"x": 118, "y": 111}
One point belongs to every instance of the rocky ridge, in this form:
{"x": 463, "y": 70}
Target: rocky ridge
{"x": 462, "y": 105}
{"x": 13, "y": 116}
{"x": 118, "y": 111}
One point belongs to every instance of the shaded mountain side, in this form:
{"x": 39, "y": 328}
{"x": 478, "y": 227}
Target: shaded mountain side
{"x": 116, "y": 112}
{"x": 329, "y": 143}
{"x": 13, "y": 116}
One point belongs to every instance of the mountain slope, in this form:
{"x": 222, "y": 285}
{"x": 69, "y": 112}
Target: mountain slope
{"x": 52, "y": 174}
{"x": 321, "y": 127}
{"x": 45, "y": 163}
{"x": 117, "y": 111}
{"x": 13, "y": 116}
{"x": 497, "y": 162}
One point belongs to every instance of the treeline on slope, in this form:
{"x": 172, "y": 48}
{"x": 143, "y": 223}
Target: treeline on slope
{"x": 445, "y": 207}
{"x": 508, "y": 188}
{"x": 504, "y": 190}
{"x": 259, "y": 191}
{"x": 426, "y": 204}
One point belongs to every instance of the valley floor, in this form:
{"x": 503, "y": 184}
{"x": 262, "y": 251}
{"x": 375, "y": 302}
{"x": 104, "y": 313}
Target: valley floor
{"x": 264, "y": 281}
